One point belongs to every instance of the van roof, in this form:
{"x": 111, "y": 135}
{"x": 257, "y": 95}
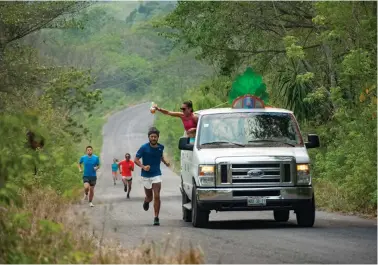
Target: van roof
{"x": 232, "y": 110}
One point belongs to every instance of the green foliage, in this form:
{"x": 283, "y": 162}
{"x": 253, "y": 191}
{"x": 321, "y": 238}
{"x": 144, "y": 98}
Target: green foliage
{"x": 68, "y": 92}
{"x": 18, "y": 161}
{"x": 348, "y": 159}
{"x": 15, "y": 157}
{"x": 148, "y": 10}
{"x": 9, "y": 195}
{"x": 21, "y": 19}
{"x": 293, "y": 89}
{"x": 293, "y": 50}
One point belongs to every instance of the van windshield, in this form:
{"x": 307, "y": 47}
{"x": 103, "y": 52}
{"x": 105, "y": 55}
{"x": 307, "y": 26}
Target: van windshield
{"x": 248, "y": 129}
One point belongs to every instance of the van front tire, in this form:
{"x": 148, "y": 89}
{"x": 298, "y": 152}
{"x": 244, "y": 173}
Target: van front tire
{"x": 306, "y": 214}
{"x": 200, "y": 217}
{"x": 186, "y": 214}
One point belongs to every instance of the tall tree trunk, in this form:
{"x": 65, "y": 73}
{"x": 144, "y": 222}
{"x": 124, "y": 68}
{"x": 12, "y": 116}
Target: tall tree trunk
{"x": 2, "y": 181}
{"x": 331, "y": 71}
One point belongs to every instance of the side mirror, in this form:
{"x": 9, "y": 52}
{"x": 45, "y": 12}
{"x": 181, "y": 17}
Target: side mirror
{"x": 313, "y": 141}
{"x": 184, "y": 144}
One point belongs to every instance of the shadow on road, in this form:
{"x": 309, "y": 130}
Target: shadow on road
{"x": 121, "y": 197}
{"x": 250, "y": 224}
{"x": 271, "y": 224}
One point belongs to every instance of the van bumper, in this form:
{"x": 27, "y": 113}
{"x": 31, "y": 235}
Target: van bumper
{"x": 236, "y": 199}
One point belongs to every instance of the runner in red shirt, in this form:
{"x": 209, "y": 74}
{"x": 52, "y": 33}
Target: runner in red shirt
{"x": 126, "y": 167}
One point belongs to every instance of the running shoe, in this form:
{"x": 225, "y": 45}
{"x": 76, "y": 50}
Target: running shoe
{"x": 146, "y": 205}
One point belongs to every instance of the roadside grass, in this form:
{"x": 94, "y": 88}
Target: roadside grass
{"x": 44, "y": 230}
{"x": 333, "y": 198}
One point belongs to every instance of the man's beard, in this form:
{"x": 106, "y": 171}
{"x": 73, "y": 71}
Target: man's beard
{"x": 153, "y": 142}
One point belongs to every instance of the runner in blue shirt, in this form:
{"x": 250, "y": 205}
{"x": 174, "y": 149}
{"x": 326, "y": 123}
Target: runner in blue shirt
{"x": 91, "y": 165}
{"x": 152, "y": 155}
{"x": 114, "y": 170}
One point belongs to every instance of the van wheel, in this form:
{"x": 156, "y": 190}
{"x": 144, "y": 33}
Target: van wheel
{"x": 306, "y": 214}
{"x": 186, "y": 214}
{"x": 281, "y": 215}
{"x": 200, "y": 217}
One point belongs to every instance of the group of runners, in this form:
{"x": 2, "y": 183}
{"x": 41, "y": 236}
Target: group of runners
{"x": 125, "y": 168}
{"x": 151, "y": 154}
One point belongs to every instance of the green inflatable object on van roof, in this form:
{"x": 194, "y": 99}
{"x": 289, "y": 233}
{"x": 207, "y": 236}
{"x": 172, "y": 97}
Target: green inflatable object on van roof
{"x": 249, "y": 83}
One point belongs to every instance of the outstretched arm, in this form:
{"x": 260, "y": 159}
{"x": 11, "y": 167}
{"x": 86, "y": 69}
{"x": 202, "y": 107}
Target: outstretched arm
{"x": 170, "y": 113}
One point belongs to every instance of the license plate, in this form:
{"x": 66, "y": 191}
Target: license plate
{"x": 256, "y": 201}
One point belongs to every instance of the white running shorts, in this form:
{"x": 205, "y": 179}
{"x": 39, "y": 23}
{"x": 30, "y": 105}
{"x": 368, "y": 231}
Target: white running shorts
{"x": 127, "y": 178}
{"x": 147, "y": 182}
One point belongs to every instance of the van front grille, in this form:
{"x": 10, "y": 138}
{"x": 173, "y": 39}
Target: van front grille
{"x": 255, "y": 173}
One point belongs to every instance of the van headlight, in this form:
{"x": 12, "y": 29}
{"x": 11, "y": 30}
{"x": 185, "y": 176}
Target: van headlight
{"x": 303, "y": 174}
{"x": 206, "y": 175}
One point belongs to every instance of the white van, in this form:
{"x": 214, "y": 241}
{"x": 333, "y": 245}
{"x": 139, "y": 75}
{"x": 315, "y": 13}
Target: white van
{"x": 247, "y": 159}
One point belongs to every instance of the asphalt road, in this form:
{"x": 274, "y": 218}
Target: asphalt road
{"x": 233, "y": 237}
